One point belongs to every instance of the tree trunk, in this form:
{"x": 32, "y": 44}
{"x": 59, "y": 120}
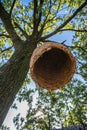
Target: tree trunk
{"x": 12, "y": 76}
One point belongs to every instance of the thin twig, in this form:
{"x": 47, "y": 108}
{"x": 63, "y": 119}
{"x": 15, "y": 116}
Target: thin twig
{"x": 73, "y": 47}
{"x": 23, "y": 32}
{"x": 6, "y": 49}
{"x": 45, "y": 20}
{"x": 24, "y": 21}
{"x": 35, "y": 15}
{"x": 40, "y": 12}
{"x": 76, "y": 30}
{"x": 54, "y": 18}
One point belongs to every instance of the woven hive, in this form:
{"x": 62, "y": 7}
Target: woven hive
{"x": 52, "y": 65}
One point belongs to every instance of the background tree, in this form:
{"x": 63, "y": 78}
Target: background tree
{"x": 23, "y": 27}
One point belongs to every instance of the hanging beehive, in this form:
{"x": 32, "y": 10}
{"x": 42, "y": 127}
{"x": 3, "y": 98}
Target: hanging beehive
{"x": 52, "y": 65}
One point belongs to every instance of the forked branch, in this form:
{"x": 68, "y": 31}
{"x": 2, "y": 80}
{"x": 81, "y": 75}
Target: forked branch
{"x": 45, "y": 20}
{"x": 40, "y": 12}
{"x": 23, "y": 32}
{"x": 66, "y": 22}
{"x": 5, "y": 17}
{"x": 37, "y": 14}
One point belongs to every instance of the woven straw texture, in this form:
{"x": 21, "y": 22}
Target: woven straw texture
{"x": 52, "y": 65}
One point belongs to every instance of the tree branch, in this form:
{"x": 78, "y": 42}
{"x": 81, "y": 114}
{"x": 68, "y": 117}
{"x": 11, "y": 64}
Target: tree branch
{"x": 40, "y": 12}
{"x": 23, "y": 32}
{"x": 35, "y": 16}
{"x": 66, "y": 22}
{"x": 73, "y": 47}
{"x": 45, "y": 20}
{"x": 12, "y": 7}
{"x": 4, "y": 35}
{"x": 6, "y": 49}
{"x": 5, "y": 17}
{"x": 75, "y": 30}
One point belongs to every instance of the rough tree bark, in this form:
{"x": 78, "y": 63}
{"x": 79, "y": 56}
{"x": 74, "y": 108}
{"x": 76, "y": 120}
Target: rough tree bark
{"x": 12, "y": 76}
{"x": 13, "y": 73}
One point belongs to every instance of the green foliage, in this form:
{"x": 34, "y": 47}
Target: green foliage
{"x": 58, "y": 108}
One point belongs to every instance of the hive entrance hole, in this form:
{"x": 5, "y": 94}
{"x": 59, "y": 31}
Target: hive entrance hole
{"x": 52, "y": 65}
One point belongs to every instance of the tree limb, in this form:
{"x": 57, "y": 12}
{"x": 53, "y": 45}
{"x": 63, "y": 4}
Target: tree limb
{"x": 23, "y": 32}
{"x": 66, "y": 22}
{"x": 75, "y": 30}
{"x": 4, "y": 35}
{"x": 6, "y": 49}
{"x": 40, "y": 12}
{"x": 35, "y": 16}
{"x": 12, "y": 7}
{"x": 45, "y": 20}
{"x": 5, "y": 17}
{"x": 73, "y": 47}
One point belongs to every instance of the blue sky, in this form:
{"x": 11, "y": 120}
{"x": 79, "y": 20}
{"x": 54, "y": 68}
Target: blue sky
{"x": 67, "y": 35}
{"x": 25, "y": 2}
